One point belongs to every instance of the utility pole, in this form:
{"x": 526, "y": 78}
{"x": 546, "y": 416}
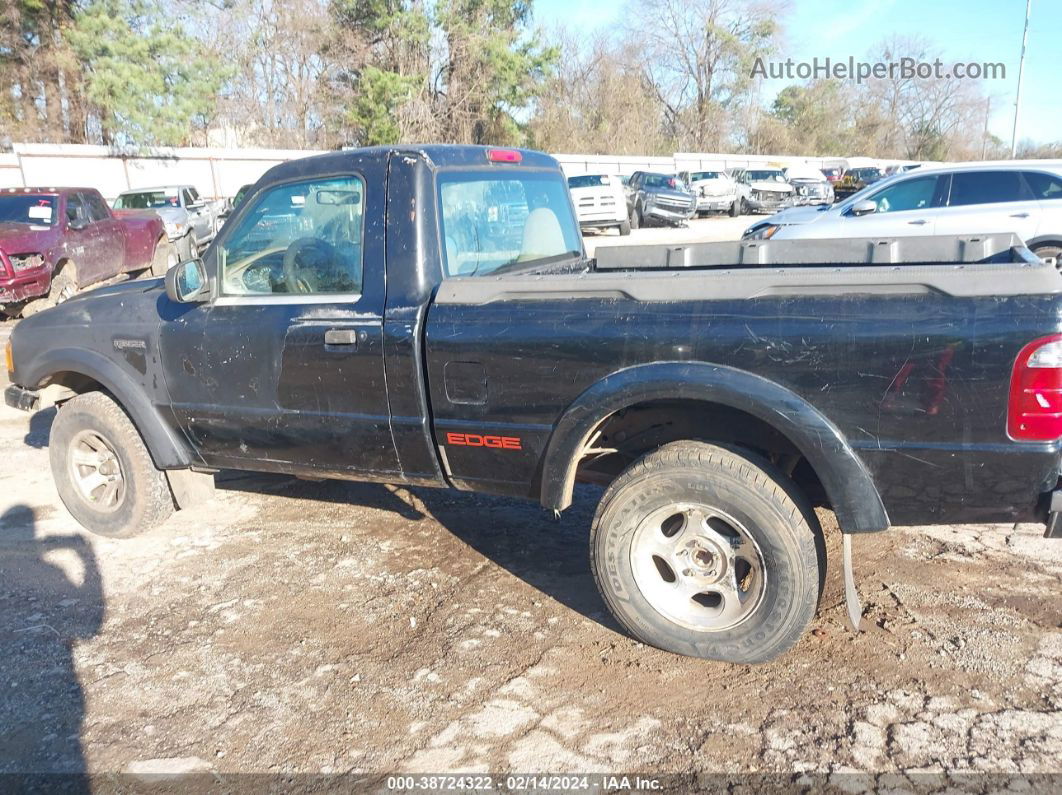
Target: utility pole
{"x": 984, "y": 135}
{"x": 1021, "y": 73}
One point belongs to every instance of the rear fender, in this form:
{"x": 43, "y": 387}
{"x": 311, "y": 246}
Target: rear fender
{"x": 848, "y": 485}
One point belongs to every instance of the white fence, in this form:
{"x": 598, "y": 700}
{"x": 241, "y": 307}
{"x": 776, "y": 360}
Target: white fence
{"x": 221, "y": 172}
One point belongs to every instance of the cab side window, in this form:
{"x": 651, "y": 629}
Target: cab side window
{"x": 97, "y": 210}
{"x": 298, "y": 238}
{"x": 75, "y": 209}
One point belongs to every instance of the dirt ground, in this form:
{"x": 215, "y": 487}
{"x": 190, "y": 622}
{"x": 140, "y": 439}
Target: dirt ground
{"x": 306, "y": 628}
{"x": 293, "y": 627}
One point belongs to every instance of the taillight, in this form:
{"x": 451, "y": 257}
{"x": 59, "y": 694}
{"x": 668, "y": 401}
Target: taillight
{"x": 1034, "y": 413}
{"x": 504, "y": 156}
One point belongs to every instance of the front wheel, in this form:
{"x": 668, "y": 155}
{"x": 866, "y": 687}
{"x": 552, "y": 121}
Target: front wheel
{"x": 708, "y": 552}
{"x": 186, "y": 247}
{"x": 735, "y": 209}
{"x": 625, "y": 228}
{"x": 103, "y": 471}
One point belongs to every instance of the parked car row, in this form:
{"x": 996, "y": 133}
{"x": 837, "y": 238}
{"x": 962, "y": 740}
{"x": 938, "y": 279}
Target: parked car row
{"x": 663, "y": 198}
{"x": 57, "y": 241}
{"x": 1022, "y": 197}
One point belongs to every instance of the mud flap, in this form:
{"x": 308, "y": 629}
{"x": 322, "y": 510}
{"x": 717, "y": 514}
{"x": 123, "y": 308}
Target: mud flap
{"x": 851, "y": 595}
{"x": 190, "y": 488}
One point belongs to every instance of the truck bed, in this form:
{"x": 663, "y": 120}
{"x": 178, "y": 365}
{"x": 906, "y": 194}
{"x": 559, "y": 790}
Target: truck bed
{"x": 909, "y": 360}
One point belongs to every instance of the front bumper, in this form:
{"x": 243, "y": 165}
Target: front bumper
{"x": 17, "y": 286}
{"x": 667, "y": 214}
{"x": 707, "y": 204}
{"x": 20, "y": 398}
{"x": 768, "y": 205}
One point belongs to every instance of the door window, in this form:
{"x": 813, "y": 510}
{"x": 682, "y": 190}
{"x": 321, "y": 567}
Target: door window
{"x": 910, "y": 194}
{"x": 97, "y": 209}
{"x": 299, "y": 238}
{"x": 1044, "y": 186}
{"x": 75, "y": 209}
{"x": 987, "y": 187}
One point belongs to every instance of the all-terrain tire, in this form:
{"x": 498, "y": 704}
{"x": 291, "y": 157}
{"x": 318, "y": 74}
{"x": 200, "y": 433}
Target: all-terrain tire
{"x": 625, "y": 228}
{"x": 636, "y": 218}
{"x": 145, "y": 500}
{"x": 754, "y": 495}
{"x": 735, "y": 209}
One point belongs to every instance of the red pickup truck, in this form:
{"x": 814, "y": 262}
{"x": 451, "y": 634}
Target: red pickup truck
{"x": 56, "y": 241}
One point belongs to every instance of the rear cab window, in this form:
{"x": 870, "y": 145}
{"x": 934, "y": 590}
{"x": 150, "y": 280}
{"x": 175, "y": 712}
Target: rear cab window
{"x": 500, "y": 220}
{"x": 32, "y": 209}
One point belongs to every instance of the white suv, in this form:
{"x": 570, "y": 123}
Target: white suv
{"x": 1024, "y": 197}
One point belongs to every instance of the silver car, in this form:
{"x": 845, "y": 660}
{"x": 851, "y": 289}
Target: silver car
{"x": 761, "y": 190}
{"x": 191, "y": 222}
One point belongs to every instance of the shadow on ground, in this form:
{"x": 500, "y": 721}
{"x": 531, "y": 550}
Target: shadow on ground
{"x": 47, "y": 611}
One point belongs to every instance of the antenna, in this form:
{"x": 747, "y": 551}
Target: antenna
{"x": 1021, "y": 73}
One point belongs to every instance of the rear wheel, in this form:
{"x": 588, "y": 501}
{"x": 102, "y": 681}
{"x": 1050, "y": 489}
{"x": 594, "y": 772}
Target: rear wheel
{"x": 1046, "y": 252}
{"x": 708, "y": 552}
{"x": 103, "y": 471}
{"x": 625, "y": 228}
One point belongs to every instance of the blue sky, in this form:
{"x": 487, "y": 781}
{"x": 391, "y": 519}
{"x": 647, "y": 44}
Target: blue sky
{"x": 957, "y": 30}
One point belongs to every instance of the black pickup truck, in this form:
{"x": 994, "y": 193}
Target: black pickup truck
{"x": 427, "y": 315}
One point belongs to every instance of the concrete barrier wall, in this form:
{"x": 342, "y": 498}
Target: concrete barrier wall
{"x": 220, "y": 172}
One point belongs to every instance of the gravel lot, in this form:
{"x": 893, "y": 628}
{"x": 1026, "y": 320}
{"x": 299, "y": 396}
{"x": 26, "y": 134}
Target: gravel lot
{"x": 294, "y": 627}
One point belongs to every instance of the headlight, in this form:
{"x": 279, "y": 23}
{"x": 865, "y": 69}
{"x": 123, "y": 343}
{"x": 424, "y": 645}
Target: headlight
{"x": 765, "y": 232}
{"x": 174, "y": 230}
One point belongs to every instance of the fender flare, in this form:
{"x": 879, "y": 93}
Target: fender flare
{"x": 168, "y": 449}
{"x": 848, "y": 485}
{"x": 1051, "y": 240}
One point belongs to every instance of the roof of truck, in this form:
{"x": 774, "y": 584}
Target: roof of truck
{"x": 33, "y": 191}
{"x": 438, "y": 155}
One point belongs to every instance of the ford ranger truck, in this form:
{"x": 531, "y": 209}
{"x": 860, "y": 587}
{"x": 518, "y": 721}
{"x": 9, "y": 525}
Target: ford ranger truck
{"x": 56, "y": 241}
{"x": 427, "y": 316}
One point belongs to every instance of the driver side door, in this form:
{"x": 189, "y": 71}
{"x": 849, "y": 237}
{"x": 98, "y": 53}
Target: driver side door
{"x": 282, "y": 370}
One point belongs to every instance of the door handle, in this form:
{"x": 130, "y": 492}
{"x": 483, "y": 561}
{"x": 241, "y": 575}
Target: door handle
{"x": 919, "y": 222}
{"x": 1020, "y": 215}
{"x": 341, "y": 336}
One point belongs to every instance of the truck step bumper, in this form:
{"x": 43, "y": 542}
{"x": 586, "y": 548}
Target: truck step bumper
{"x": 1054, "y": 518}
{"x": 19, "y": 398}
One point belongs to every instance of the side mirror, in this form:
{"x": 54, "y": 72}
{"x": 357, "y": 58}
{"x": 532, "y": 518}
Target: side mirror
{"x": 77, "y": 224}
{"x": 186, "y": 282}
{"x": 865, "y": 207}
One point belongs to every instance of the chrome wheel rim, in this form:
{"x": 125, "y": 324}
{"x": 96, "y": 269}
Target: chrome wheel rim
{"x": 698, "y": 566}
{"x": 96, "y": 471}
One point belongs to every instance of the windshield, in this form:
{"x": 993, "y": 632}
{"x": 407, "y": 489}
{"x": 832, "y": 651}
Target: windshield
{"x": 663, "y": 181}
{"x": 505, "y": 220}
{"x": 697, "y": 176}
{"x": 589, "y": 181}
{"x": 766, "y": 176}
{"x": 23, "y": 209}
{"x": 147, "y": 200}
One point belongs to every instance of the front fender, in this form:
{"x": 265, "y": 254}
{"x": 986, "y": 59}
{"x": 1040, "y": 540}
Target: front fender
{"x": 848, "y": 485}
{"x": 168, "y": 449}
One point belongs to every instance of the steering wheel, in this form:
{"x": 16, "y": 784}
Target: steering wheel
{"x": 305, "y": 261}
